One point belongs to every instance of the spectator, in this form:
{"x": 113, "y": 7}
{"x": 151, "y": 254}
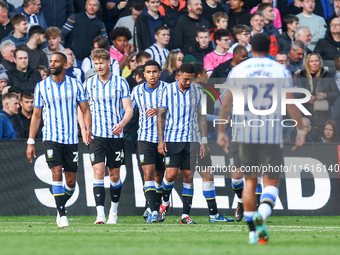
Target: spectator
{"x": 53, "y": 35}
{"x": 80, "y": 29}
{"x": 129, "y": 21}
{"x": 258, "y": 27}
{"x": 122, "y": 8}
{"x": 290, "y": 136}
{"x": 121, "y": 50}
{"x": 173, "y": 10}
{"x": 7, "y": 49}
{"x": 188, "y": 25}
{"x": 19, "y": 34}
{"x": 6, "y": 25}
{"x": 130, "y": 66}
{"x": 3, "y": 82}
{"x": 141, "y": 58}
{"x": 43, "y": 71}
{"x": 238, "y": 14}
{"x": 286, "y": 38}
{"x": 303, "y": 34}
{"x": 324, "y": 91}
{"x": 203, "y": 45}
{"x": 328, "y": 47}
{"x": 295, "y": 56}
{"x": 23, "y": 75}
{"x": 242, "y": 34}
{"x": 10, "y": 104}
{"x": 268, "y": 13}
{"x": 222, "y": 70}
{"x": 158, "y": 50}
{"x": 277, "y": 16}
{"x": 100, "y": 42}
{"x": 315, "y": 23}
{"x": 71, "y": 71}
{"x": 330, "y": 132}
{"x": 282, "y": 58}
{"x": 22, "y": 121}
{"x": 36, "y": 55}
{"x": 210, "y": 7}
{"x": 56, "y": 12}
{"x": 30, "y": 9}
{"x": 220, "y": 54}
{"x": 293, "y": 8}
{"x": 146, "y": 25}
{"x": 172, "y": 63}
{"x": 220, "y": 20}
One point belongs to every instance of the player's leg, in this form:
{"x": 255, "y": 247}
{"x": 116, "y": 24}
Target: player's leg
{"x": 249, "y": 203}
{"x": 150, "y": 191}
{"x": 187, "y": 195}
{"x": 115, "y": 158}
{"x": 172, "y": 162}
{"x": 159, "y": 175}
{"x": 97, "y": 152}
{"x": 99, "y": 191}
{"x": 237, "y": 182}
{"x": 55, "y": 161}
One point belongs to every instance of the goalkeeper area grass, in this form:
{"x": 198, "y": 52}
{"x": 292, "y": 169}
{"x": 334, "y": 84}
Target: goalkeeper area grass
{"x": 287, "y": 235}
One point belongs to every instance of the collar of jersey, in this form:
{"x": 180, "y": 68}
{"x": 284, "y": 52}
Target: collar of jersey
{"x": 181, "y": 90}
{"x": 150, "y": 90}
{"x": 106, "y": 81}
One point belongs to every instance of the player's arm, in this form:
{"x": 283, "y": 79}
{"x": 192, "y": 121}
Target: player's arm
{"x": 295, "y": 114}
{"x": 202, "y": 123}
{"x": 127, "y": 105}
{"x": 222, "y": 137}
{"x": 87, "y": 120}
{"x": 81, "y": 122}
{"x": 34, "y": 127}
{"x": 160, "y": 130}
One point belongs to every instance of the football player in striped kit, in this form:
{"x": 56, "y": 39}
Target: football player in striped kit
{"x": 180, "y": 125}
{"x": 147, "y": 97}
{"x": 259, "y": 145}
{"x": 56, "y": 98}
{"x": 109, "y": 96}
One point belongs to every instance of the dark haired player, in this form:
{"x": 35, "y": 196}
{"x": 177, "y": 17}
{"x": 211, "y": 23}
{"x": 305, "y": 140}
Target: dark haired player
{"x": 147, "y": 97}
{"x": 58, "y": 96}
{"x": 259, "y": 145}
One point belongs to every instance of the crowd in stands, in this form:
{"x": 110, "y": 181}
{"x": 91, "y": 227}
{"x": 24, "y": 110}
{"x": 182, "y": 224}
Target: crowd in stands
{"x": 304, "y": 34}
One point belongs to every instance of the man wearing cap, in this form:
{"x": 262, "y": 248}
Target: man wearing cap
{"x": 10, "y": 103}
{"x": 3, "y": 84}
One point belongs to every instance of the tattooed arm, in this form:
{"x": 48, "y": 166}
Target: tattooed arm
{"x": 160, "y": 130}
{"x": 202, "y": 123}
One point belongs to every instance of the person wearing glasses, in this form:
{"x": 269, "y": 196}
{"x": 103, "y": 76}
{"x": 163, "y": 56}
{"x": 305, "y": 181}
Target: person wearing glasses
{"x": 220, "y": 54}
{"x": 242, "y": 34}
{"x": 31, "y": 8}
{"x": 328, "y": 47}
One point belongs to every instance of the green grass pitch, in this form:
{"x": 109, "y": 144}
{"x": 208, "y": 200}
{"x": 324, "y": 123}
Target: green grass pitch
{"x": 288, "y": 235}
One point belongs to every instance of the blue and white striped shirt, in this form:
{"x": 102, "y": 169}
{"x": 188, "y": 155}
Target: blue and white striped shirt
{"x": 263, "y": 76}
{"x": 158, "y": 54}
{"x": 182, "y": 115}
{"x": 106, "y": 103}
{"x": 146, "y": 98}
{"x": 59, "y": 102}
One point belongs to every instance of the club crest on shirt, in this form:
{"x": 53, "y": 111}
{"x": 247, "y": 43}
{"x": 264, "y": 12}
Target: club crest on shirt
{"x": 92, "y": 157}
{"x": 68, "y": 86}
{"x": 231, "y": 161}
{"x": 50, "y": 153}
{"x": 141, "y": 158}
{"x": 167, "y": 160}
